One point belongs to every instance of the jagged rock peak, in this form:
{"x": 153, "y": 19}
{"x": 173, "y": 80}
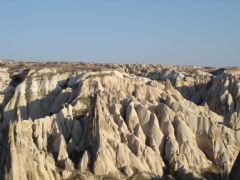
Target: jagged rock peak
{"x": 63, "y": 120}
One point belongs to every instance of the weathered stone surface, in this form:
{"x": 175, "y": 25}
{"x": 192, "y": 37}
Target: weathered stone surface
{"x": 127, "y": 171}
{"x": 141, "y": 121}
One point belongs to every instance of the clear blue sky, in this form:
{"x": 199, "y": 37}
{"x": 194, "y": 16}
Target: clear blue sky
{"x": 199, "y": 32}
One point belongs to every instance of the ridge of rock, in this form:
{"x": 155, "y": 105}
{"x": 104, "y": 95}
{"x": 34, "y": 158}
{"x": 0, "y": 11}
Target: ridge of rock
{"x": 121, "y": 121}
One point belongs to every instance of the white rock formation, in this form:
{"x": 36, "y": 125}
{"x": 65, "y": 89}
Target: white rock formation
{"x": 123, "y": 121}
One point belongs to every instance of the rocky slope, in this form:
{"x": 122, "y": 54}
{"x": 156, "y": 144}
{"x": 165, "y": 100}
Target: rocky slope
{"x": 107, "y": 121}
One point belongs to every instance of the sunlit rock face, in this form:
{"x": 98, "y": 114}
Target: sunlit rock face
{"x": 81, "y": 121}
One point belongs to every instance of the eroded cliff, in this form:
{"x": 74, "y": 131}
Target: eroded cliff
{"x": 79, "y": 121}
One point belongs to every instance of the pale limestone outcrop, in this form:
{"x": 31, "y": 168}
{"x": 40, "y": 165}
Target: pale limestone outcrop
{"x": 92, "y": 124}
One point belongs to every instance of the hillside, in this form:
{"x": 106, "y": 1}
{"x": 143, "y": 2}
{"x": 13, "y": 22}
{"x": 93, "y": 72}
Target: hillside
{"x": 109, "y": 121}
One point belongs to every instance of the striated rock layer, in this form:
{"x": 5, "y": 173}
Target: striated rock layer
{"x": 96, "y": 121}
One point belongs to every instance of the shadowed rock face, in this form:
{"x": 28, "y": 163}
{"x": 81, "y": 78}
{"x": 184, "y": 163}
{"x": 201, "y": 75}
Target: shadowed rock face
{"x": 76, "y": 120}
{"x": 235, "y": 172}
